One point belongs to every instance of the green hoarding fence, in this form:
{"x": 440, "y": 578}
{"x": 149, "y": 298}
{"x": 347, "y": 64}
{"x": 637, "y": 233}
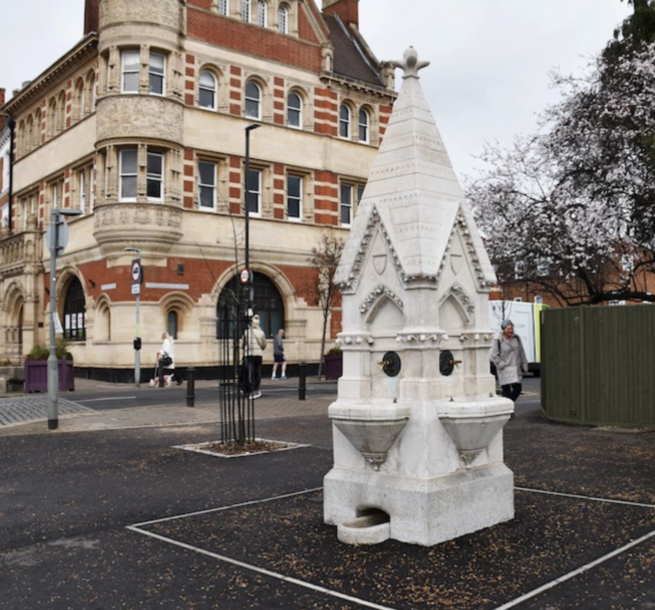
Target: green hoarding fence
{"x": 598, "y": 365}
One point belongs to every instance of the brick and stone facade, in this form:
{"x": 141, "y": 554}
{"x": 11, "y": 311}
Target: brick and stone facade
{"x": 142, "y": 126}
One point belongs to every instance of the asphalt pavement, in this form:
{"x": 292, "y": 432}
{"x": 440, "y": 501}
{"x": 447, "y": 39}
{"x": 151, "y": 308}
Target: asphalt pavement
{"x": 110, "y": 512}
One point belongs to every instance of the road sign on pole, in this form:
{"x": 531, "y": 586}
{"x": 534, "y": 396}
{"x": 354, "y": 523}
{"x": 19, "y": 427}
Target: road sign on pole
{"x": 137, "y": 276}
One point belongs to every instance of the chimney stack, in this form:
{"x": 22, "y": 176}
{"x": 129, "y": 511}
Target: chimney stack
{"x": 91, "y": 16}
{"x": 347, "y": 10}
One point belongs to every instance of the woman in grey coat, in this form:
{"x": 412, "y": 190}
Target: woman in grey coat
{"x": 509, "y": 357}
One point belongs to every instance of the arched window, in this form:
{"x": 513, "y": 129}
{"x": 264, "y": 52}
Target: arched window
{"x": 253, "y": 100}
{"x": 79, "y": 109}
{"x": 245, "y": 11}
{"x": 90, "y": 92}
{"x": 363, "y": 126}
{"x": 344, "y": 121}
{"x": 171, "y": 323}
{"x": 268, "y": 304}
{"x": 36, "y": 136}
{"x": 294, "y": 110}
{"x": 61, "y": 113}
{"x": 21, "y": 144}
{"x": 102, "y": 323}
{"x": 74, "y": 312}
{"x": 207, "y": 90}
{"x": 283, "y": 19}
{"x": 51, "y": 118}
{"x": 29, "y": 134}
{"x": 262, "y": 14}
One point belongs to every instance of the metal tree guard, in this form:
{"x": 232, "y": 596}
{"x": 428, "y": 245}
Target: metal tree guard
{"x": 237, "y": 405}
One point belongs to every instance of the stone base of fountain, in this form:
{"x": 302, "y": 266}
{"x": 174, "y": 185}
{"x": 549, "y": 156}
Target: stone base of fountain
{"x": 421, "y": 511}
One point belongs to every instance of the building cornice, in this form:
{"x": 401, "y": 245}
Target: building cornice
{"x": 360, "y": 85}
{"x": 55, "y": 71}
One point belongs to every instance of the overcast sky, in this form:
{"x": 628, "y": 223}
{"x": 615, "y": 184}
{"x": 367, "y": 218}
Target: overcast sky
{"x": 490, "y": 59}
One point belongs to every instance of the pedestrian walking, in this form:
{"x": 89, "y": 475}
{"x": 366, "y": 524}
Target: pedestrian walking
{"x": 508, "y": 355}
{"x": 165, "y": 361}
{"x": 278, "y": 355}
{"x": 253, "y": 344}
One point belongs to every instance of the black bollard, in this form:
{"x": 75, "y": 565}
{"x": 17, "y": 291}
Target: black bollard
{"x": 160, "y": 372}
{"x": 190, "y": 386}
{"x": 302, "y": 381}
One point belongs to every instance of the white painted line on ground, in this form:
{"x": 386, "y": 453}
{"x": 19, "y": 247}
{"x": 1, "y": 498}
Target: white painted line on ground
{"x": 590, "y": 498}
{"x": 222, "y": 508}
{"x": 197, "y": 448}
{"x": 263, "y": 571}
{"x": 581, "y": 570}
{"x": 112, "y": 398}
{"x": 136, "y": 528}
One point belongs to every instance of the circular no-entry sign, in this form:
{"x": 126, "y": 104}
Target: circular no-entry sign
{"x": 136, "y": 272}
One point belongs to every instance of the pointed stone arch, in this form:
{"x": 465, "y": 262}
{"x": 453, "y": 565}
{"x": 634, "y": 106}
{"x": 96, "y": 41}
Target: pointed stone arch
{"x": 385, "y": 312}
{"x": 102, "y": 318}
{"x": 11, "y": 320}
{"x": 457, "y": 300}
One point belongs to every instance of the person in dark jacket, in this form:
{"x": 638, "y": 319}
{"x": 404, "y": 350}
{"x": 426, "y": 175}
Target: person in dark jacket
{"x": 278, "y": 355}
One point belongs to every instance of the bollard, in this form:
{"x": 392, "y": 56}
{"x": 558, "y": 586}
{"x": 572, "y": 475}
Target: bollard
{"x": 190, "y": 386}
{"x": 302, "y": 381}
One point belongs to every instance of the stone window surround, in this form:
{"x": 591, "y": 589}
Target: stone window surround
{"x": 30, "y": 126}
{"x": 213, "y": 88}
{"x": 345, "y": 121}
{"x": 259, "y": 193}
{"x": 299, "y": 198}
{"x": 354, "y": 131}
{"x": 54, "y": 195}
{"x": 262, "y": 13}
{"x": 111, "y": 70}
{"x": 84, "y": 95}
{"x": 355, "y": 190}
{"x": 29, "y": 206}
{"x": 299, "y": 110}
{"x": 263, "y": 101}
{"x": 108, "y": 166}
{"x": 234, "y": 11}
{"x": 83, "y": 186}
{"x": 207, "y": 185}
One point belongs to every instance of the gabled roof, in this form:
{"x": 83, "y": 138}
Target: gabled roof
{"x": 351, "y": 59}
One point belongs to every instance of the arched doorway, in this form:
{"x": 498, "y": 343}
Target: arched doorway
{"x": 74, "y": 312}
{"x": 268, "y": 304}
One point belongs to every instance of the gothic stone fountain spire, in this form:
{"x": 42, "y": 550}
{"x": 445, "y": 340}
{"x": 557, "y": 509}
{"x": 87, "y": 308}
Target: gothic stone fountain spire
{"x": 417, "y": 442}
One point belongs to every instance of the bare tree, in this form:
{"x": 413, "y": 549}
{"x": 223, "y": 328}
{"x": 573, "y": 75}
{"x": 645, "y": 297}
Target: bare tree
{"x": 325, "y": 259}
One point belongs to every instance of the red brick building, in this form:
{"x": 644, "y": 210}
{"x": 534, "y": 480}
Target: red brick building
{"x": 142, "y": 126}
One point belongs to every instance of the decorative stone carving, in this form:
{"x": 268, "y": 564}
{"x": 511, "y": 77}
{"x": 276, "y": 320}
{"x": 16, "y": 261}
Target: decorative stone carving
{"x": 140, "y": 116}
{"x": 166, "y": 13}
{"x": 155, "y": 226}
{"x": 375, "y": 295}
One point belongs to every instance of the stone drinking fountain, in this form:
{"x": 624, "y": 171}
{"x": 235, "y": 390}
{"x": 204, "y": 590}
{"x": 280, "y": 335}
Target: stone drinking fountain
{"x": 417, "y": 425}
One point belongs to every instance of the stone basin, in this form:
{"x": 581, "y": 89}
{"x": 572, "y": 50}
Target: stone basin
{"x": 371, "y": 427}
{"x": 472, "y": 425}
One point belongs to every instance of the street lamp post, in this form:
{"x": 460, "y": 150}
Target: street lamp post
{"x": 53, "y": 370}
{"x": 249, "y": 303}
{"x": 137, "y": 332}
